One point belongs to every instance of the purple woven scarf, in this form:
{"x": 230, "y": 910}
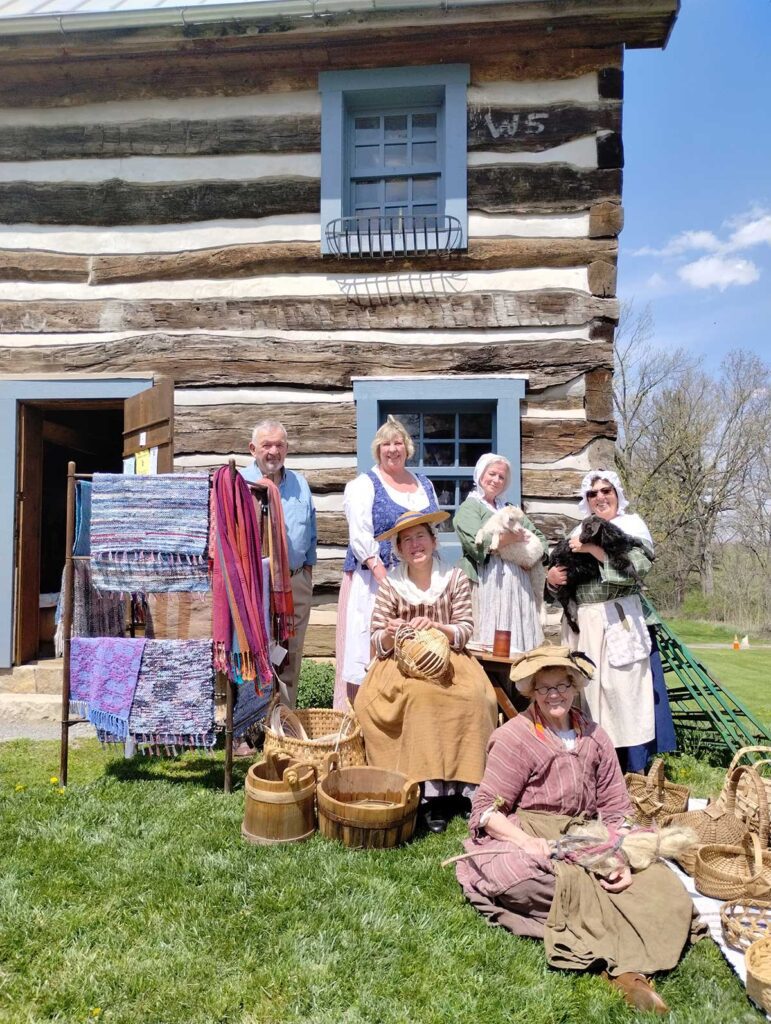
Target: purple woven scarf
{"x": 103, "y": 678}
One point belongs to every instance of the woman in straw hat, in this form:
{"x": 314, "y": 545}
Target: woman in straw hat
{"x": 544, "y": 768}
{"x": 373, "y": 502}
{"x": 628, "y": 695}
{"x": 501, "y": 590}
{"x": 433, "y": 731}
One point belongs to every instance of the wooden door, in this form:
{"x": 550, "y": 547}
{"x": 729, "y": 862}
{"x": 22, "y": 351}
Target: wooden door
{"x": 148, "y": 422}
{"x": 29, "y": 478}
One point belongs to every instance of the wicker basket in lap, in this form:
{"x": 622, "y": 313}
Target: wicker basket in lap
{"x": 328, "y": 732}
{"x": 746, "y": 795}
{"x": 654, "y": 797}
{"x": 758, "y": 962}
{"x": 723, "y": 825}
{"x": 734, "y": 872}
{"x": 422, "y": 653}
{"x": 745, "y": 921}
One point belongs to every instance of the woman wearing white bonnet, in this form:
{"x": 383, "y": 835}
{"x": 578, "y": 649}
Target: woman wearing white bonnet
{"x": 501, "y": 591}
{"x": 627, "y": 696}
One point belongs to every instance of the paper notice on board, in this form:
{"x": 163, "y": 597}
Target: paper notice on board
{"x": 153, "y": 462}
{"x": 128, "y": 466}
{"x": 142, "y": 458}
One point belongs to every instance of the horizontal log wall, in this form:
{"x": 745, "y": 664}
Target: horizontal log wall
{"x": 182, "y": 263}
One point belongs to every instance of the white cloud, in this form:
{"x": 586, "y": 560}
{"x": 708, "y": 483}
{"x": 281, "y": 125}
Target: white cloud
{"x": 686, "y": 241}
{"x": 719, "y": 272}
{"x": 752, "y": 232}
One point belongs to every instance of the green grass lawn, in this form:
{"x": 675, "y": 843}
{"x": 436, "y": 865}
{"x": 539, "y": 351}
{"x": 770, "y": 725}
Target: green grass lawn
{"x": 131, "y": 899}
{"x": 694, "y": 631}
{"x": 746, "y": 673}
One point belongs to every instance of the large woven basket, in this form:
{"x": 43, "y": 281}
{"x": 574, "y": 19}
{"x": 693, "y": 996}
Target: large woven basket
{"x": 721, "y": 825}
{"x": 422, "y": 653}
{"x": 747, "y": 804}
{"x": 328, "y": 732}
{"x": 745, "y": 921}
{"x": 758, "y": 962}
{"x": 734, "y": 872}
{"x": 654, "y": 797}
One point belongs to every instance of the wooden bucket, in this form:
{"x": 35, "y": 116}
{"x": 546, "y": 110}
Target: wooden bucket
{"x": 280, "y": 806}
{"x": 366, "y": 808}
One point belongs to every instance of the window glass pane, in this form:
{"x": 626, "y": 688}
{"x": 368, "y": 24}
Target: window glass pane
{"x": 466, "y": 486}
{"x": 476, "y": 424}
{"x": 369, "y": 192}
{"x": 469, "y": 453}
{"x": 366, "y": 156}
{"x": 395, "y": 156}
{"x": 425, "y": 215}
{"x": 367, "y": 122}
{"x": 445, "y": 490}
{"x": 424, "y": 189}
{"x": 363, "y": 214}
{"x": 396, "y": 190}
{"x": 439, "y": 425}
{"x": 446, "y": 526}
{"x": 424, "y": 126}
{"x": 395, "y": 127}
{"x": 438, "y": 454}
{"x": 424, "y": 153}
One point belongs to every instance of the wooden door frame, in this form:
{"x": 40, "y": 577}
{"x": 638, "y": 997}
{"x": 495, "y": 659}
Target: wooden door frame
{"x": 13, "y": 391}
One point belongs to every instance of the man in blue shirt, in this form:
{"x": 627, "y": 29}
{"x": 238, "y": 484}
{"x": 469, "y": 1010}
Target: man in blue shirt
{"x": 269, "y": 448}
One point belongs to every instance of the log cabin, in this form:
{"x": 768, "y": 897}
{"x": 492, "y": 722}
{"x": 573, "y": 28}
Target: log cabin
{"x": 321, "y": 212}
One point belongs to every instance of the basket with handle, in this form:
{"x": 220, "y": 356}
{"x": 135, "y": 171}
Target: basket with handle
{"x": 654, "y": 797}
{"x": 747, "y": 806}
{"x": 722, "y": 825}
{"x": 326, "y": 732}
{"x": 422, "y": 653}
{"x": 745, "y": 921}
{"x": 734, "y": 872}
{"x": 757, "y": 960}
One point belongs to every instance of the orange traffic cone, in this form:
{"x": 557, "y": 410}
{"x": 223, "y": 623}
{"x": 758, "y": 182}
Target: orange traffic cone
{"x": 736, "y": 644}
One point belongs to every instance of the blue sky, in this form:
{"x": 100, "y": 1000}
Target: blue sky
{"x": 697, "y": 183}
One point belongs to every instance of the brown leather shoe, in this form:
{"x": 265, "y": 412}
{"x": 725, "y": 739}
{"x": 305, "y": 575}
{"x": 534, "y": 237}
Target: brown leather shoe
{"x": 638, "y": 992}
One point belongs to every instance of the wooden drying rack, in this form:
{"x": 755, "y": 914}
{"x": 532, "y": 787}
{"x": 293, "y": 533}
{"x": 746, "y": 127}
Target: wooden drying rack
{"x": 67, "y": 606}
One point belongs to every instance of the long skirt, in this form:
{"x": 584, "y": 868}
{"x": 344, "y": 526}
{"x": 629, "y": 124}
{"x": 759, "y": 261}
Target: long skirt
{"x": 619, "y": 698}
{"x": 664, "y": 740}
{"x": 645, "y": 928}
{"x": 503, "y": 599}
{"x": 353, "y": 651}
{"x": 428, "y": 730}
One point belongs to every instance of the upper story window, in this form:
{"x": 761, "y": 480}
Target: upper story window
{"x": 393, "y": 160}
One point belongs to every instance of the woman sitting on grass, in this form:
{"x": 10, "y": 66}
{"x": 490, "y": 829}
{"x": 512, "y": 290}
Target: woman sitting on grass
{"x": 434, "y": 732}
{"x": 544, "y": 768}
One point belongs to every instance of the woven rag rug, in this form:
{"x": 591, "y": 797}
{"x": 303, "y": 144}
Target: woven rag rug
{"x": 241, "y": 646}
{"x": 281, "y": 601}
{"x": 104, "y": 674}
{"x": 149, "y": 533}
{"x": 174, "y": 699}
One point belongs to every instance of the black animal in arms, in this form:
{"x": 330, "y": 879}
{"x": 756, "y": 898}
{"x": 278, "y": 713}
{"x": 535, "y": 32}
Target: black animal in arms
{"x": 583, "y": 568}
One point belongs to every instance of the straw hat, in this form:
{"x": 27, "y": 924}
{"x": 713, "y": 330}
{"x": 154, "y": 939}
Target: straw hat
{"x": 408, "y": 519}
{"x": 579, "y": 668}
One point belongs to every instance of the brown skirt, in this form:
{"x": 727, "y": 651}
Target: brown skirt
{"x": 428, "y": 730}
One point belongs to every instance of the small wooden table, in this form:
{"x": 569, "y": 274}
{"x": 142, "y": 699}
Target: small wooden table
{"x": 497, "y": 668}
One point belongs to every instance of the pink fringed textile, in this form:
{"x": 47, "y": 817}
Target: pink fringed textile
{"x": 281, "y": 601}
{"x": 241, "y": 646}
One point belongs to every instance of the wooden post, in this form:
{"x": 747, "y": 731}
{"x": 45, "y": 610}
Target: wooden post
{"x": 67, "y": 601}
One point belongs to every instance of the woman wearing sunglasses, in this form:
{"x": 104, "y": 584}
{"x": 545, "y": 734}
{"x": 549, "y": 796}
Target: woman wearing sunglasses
{"x": 545, "y": 767}
{"x": 627, "y": 696}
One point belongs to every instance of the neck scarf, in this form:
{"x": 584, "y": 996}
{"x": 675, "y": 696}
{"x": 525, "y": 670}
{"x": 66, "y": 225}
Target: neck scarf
{"x": 441, "y": 573}
{"x": 546, "y": 733}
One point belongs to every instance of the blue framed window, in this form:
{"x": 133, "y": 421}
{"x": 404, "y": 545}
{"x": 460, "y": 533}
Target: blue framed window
{"x": 449, "y": 437}
{"x": 393, "y": 160}
{"x": 452, "y": 420}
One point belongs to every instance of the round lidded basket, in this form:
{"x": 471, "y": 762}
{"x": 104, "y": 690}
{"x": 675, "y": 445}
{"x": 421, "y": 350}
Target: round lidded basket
{"x": 367, "y": 808}
{"x": 327, "y": 732}
{"x": 758, "y": 962}
{"x": 654, "y": 797}
{"x": 422, "y": 653}
{"x": 734, "y": 872}
{"x": 720, "y": 824}
{"x": 745, "y": 921}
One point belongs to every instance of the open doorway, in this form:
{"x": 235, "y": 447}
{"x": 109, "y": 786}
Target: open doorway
{"x": 51, "y": 434}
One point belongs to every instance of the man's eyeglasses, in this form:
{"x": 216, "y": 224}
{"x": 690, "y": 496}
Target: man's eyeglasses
{"x": 560, "y": 688}
{"x": 600, "y": 490}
